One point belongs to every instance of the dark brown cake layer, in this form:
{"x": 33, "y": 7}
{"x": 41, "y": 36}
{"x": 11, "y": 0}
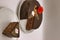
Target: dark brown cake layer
{"x": 30, "y": 23}
{"x": 10, "y": 30}
{"x": 37, "y": 23}
{"x": 24, "y": 10}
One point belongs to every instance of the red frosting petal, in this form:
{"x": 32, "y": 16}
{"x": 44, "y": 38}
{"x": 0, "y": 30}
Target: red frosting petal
{"x": 40, "y": 10}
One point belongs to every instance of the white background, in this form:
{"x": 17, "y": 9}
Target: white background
{"x": 50, "y": 27}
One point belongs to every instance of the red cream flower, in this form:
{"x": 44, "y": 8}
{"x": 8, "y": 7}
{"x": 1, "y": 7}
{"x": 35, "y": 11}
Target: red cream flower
{"x": 40, "y": 10}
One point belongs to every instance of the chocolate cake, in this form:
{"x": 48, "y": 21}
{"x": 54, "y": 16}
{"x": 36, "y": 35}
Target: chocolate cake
{"x": 12, "y": 30}
{"x": 26, "y": 11}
